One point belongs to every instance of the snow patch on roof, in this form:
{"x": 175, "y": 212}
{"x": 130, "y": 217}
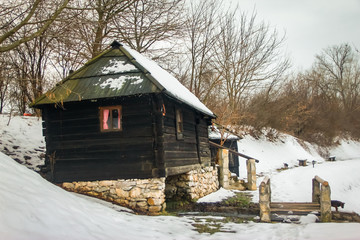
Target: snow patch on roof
{"x": 138, "y": 81}
{"x": 172, "y": 86}
{"x": 117, "y": 66}
{"x": 118, "y": 83}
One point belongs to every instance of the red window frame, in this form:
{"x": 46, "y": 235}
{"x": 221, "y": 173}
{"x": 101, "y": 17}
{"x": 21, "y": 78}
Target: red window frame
{"x": 110, "y": 118}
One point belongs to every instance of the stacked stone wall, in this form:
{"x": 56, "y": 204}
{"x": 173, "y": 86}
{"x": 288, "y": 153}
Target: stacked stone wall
{"x": 147, "y": 196}
{"x": 142, "y": 195}
{"x": 192, "y": 185}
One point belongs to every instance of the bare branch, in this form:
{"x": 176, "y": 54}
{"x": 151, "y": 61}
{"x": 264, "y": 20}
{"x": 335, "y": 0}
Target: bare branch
{"x": 6, "y": 47}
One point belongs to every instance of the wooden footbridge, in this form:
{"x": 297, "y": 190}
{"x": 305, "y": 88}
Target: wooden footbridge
{"x": 291, "y": 211}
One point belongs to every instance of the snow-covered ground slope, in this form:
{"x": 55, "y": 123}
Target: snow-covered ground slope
{"x": 346, "y": 150}
{"x": 32, "y": 208}
{"x": 273, "y": 154}
{"x": 21, "y": 138}
{"x": 287, "y": 149}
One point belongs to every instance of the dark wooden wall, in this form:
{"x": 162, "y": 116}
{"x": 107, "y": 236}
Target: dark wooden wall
{"x": 83, "y": 153}
{"x": 181, "y": 155}
{"x": 146, "y": 147}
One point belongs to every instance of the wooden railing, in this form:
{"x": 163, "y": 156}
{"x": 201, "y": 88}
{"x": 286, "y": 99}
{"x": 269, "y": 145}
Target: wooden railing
{"x": 320, "y": 194}
{"x": 232, "y": 151}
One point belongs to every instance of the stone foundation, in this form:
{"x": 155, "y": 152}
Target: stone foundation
{"x": 142, "y": 195}
{"x": 192, "y": 185}
{"x": 147, "y": 196}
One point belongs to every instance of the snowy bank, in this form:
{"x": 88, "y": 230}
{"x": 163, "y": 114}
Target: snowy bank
{"x": 21, "y": 138}
{"x": 32, "y": 208}
{"x": 273, "y": 154}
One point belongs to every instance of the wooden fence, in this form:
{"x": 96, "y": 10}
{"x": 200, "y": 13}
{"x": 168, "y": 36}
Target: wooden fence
{"x": 320, "y": 194}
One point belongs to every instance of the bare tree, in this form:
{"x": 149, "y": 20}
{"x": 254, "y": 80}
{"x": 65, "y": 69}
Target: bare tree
{"x": 16, "y": 16}
{"x": 95, "y": 22}
{"x": 69, "y": 50}
{"x": 201, "y": 35}
{"x": 247, "y": 55}
{"x": 28, "y": 34}
{"x": 29, "y": 63}
{"x": 5, "y": 79}
{"x": 147, "y": 24}
{"x": 67, "y": 56}
{"x": 338, "y": 75}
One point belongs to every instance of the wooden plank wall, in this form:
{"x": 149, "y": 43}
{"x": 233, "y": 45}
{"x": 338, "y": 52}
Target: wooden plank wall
{"x": 203, "y": 134}
{"x": 193, "y": 148}
{"x": 84, "y": 153}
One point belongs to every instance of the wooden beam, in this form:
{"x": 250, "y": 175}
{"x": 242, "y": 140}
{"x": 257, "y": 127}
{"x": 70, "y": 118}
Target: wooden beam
{"x": 322, "y": 181}
{"x": 232, "y": 151}
{"x": 170, "y": 171}
{"x": 265, "y": 180}
{"x": 230, "y": 131}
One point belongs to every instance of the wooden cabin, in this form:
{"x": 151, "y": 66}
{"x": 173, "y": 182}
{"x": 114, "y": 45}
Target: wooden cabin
{"x": 122, "y": 116}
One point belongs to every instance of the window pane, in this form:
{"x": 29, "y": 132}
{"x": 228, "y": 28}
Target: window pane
{"x": 110, "y": 118}
{"x": 179, "y": 121}
{"x": 115, "y": 119}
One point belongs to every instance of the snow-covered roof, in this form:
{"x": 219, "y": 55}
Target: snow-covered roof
{"x": 214, "y": 133}
{"x": 171, "y": 85}
{"x": 120, "y": 71}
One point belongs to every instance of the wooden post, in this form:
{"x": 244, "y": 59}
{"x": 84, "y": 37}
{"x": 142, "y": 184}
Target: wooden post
{"x": 324, "y": 198}
{"x": 269, "y": 191}
{"x": 325, "y": 203}
{"x": 223, "y": 160}
{"x": 315, "y": 191}
{"x": 264, "y": 200}
{"x": 251, "y": 174}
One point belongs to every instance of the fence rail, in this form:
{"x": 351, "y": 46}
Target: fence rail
{"x": 232, "y": 151}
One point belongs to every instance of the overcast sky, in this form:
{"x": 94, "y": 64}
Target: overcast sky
{"x": 310, "y": 25}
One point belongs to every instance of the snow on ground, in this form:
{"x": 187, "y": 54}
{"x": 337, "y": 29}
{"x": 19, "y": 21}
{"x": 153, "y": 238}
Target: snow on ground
{"x": 217, "y": 196}
{"x": 21, "y": 138}
{"x": 32, "y": 208}
{"x": 273, "y": 155}
{"x": 346, "y": 150}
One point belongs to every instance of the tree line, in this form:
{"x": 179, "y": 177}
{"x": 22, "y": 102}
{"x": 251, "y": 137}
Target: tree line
{"x": 318, "y": 104}
{"x": 230, "y": 59}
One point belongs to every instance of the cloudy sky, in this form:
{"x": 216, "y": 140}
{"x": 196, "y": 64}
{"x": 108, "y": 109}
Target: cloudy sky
{"x": 310, "y": 25}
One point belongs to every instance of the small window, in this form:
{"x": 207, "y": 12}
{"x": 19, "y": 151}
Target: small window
{"x": 110, "y": 118}
{"x": 179, "y": 124}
